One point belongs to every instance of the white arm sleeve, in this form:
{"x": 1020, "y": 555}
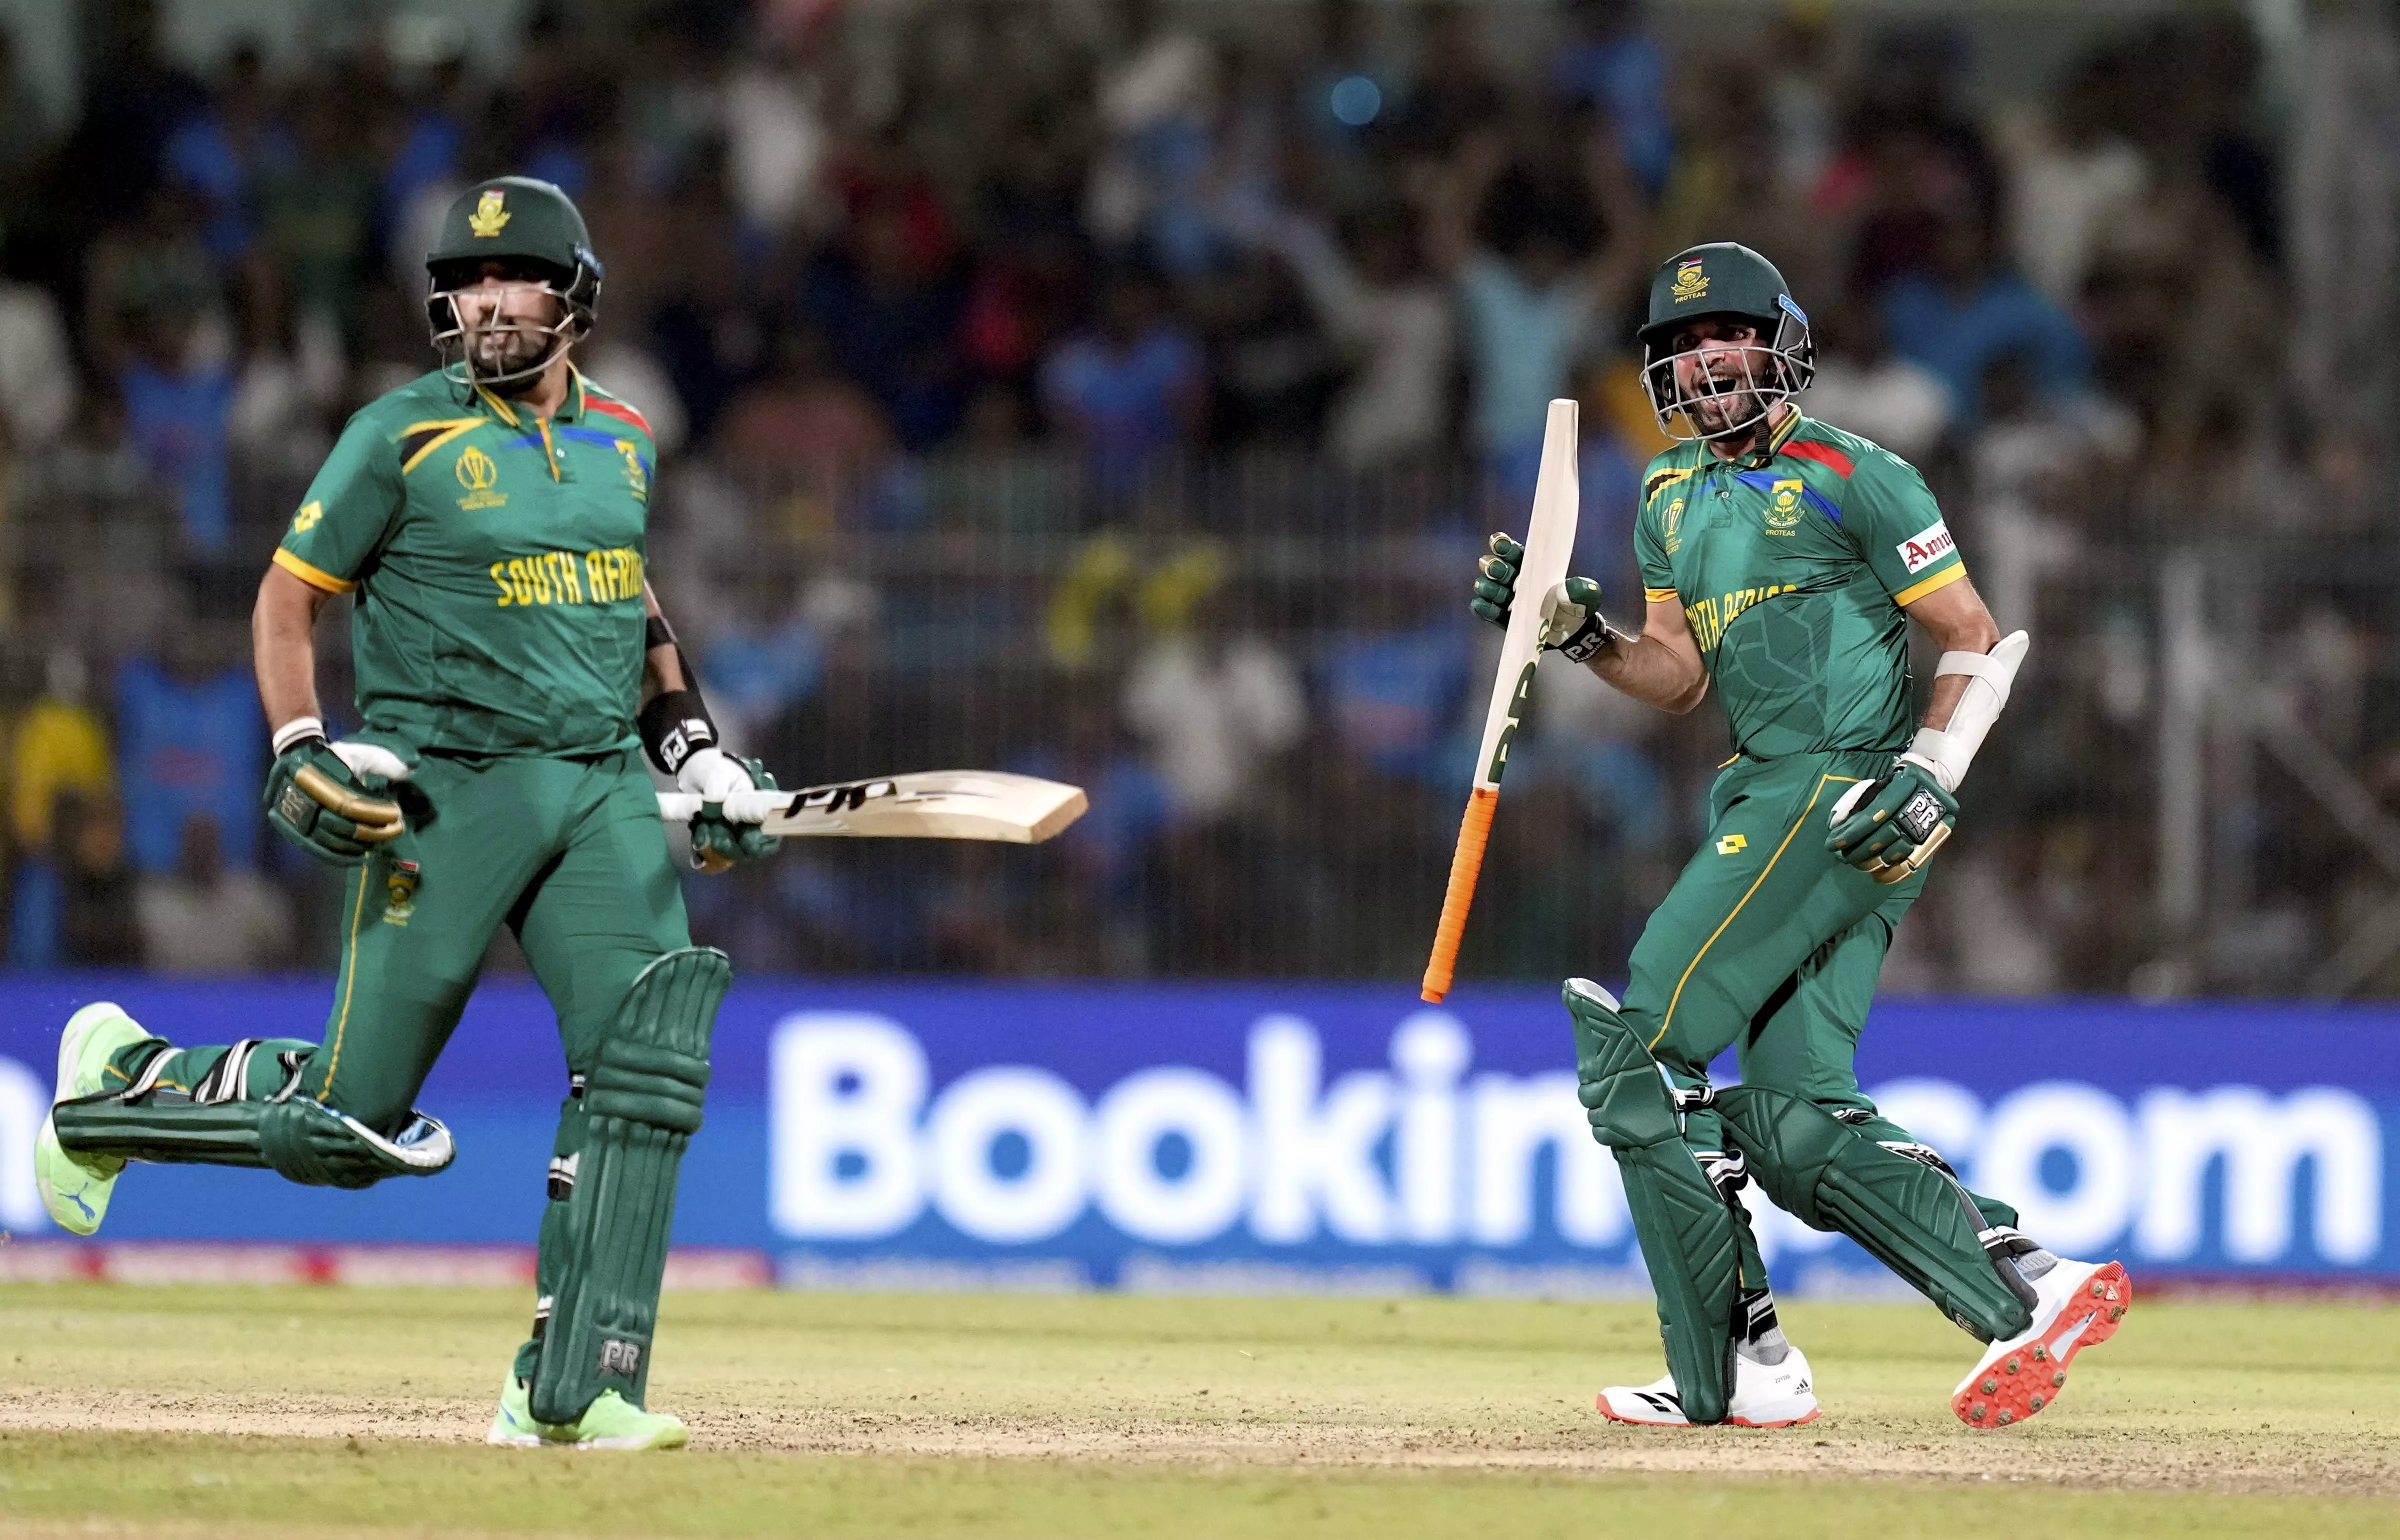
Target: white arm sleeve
{"x": 1945, "y": 753}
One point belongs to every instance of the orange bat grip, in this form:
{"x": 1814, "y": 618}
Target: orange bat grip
{"x": 1465, "y": 861}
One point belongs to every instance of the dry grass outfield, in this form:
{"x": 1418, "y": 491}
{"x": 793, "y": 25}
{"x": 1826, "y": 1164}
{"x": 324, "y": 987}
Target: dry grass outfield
{"x": 160, "y": 1411}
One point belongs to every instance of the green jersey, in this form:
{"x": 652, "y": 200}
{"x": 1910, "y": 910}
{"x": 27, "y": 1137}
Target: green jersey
{"x": 497, "y": 560}
{"x": 1793, "y": 565}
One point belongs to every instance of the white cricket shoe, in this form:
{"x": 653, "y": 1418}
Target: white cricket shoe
{"x": 76, "y": 1189}
{"x": 1764, "y": 1396}
{"x": 2078, "y": 1304}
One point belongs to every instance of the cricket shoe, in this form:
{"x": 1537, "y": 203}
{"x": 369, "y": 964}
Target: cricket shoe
{"x": 76, "y": 1188}
{"x": 2076, "y": 1306}
{"x": 1764, "y": 1396}
{"x": 610, "y": 1422}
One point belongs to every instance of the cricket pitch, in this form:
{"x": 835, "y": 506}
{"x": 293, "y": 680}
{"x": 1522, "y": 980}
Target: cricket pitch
{"x": 209, "y": 1411}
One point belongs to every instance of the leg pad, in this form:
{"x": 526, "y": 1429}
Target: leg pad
{"x": 1914, "y": 1216}
{"x": 303, "y": 1139}
{"x": 1690, "y": 1238}
{"x": 641, "y": 1104}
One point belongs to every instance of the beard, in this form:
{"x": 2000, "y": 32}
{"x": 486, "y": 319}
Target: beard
{"x": 508, "y": 348}
{"x": 1716, "y": 414}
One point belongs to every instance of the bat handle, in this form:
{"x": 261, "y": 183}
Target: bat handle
{"x": 1465, "y": 864}
{"x": 748, "y": 807}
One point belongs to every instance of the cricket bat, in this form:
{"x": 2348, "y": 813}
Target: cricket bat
{"x": 1018, "y": 810}
{"x": 1549, "y": 545}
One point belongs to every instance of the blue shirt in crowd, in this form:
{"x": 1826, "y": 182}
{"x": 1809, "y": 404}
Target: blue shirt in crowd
{"x": 1958, "y": 339}
{"x": 1625, "y": 78}
{"x": 1122, "y": 402}
{"x": 184, "y": 748}
{"x": 1393, "y": 696}
{"x": 177, "y": 424}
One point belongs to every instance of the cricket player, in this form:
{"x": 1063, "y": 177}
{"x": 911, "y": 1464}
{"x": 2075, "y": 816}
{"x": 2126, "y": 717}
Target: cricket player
{"x": 488, "y": 520}
{"x": 1783, "y": 559}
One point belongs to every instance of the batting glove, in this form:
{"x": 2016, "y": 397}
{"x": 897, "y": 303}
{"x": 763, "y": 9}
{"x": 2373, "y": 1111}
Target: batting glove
{"x": 1571, "y": 619}
{"x": 1890, "y": 828}
{"x": 719, "y": 844}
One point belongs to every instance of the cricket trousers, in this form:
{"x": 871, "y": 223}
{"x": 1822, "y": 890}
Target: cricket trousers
{"x": 570, "y": 853}
{"x": 1769, "y": 945}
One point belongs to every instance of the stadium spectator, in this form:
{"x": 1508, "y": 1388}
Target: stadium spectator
{"x": 1539, "y": 255}
{"x": 1610, "y": 65}
{"x": 890, "y": 301}
{"x": 59, "y": 745}
{"x": 1864, "y": 386}
{"x": 39, "y": 389}
{"x": 1965, "y": 310}
{"x": 1132, "y": 388}
{"x": 190, "y": 740}
{"x": 1392, "y": 687}
{"x": 206, "y": 918}
{"x": 1394, "y": 329}
{"x": 226, "y": 151}
{"x": 73, "y": 907}
{"x": 1214, "y": 703}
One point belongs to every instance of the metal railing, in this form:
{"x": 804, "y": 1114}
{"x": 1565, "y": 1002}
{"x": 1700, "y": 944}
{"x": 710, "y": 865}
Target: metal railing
{"x": 1265, "y": 673}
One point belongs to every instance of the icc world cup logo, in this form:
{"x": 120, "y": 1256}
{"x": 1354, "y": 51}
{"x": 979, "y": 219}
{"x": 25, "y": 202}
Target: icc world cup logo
{"x": 476, "y": 471}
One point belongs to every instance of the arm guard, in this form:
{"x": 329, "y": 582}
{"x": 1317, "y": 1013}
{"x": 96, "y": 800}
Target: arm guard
{"x": 1944, "y": 752}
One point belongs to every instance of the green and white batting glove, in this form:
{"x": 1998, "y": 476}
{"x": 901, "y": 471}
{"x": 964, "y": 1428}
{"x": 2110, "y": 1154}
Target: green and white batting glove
{"x": 1572, "y": 623}
{"x": 1890, "y": 828}
{"x": 718, "y": 843}
{"x": 328, "y": 799}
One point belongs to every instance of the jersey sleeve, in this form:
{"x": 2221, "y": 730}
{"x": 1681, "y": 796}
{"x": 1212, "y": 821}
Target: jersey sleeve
{"x": 1650, "y": 535}
{"x": 347, "y": 512}
{"x": 1898, "y": 526}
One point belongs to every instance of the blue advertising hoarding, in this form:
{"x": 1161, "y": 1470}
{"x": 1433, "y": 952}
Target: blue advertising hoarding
{"x": 1306, "y": 1137}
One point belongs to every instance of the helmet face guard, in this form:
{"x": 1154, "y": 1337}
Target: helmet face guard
{"x": 459, "y": 341}
{"x": 1771, "y": 373}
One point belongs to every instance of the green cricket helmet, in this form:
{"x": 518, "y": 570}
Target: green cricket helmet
{"x": 535, "y": 233}
{"x": 1724, "y": 280}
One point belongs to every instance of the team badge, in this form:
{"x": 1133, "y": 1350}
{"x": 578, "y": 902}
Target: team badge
{"x": 635, "y": 476}
{"x": 1690, "y": 281}
{"x": 1669, "y": 523}
{"x": 477, "y": 474}
{"x": 490, "y": 213}
{"x": 399, "y": 892}
{"x": 1783, "y": 504}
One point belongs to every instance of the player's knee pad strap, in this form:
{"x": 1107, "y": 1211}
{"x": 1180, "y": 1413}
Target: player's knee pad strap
{"x": 641, "y": 1104}
{"x": 299, "y": 1137}
{"x": 1686, "y": 1225}
{"x": 1910, "y": 1213}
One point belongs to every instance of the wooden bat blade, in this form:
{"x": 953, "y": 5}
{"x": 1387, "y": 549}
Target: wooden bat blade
{"x": 1549, "y": 544}
{"x": 993, "y": 805}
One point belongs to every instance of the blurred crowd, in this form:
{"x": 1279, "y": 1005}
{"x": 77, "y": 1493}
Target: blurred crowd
{"x": 1119, "y": 390}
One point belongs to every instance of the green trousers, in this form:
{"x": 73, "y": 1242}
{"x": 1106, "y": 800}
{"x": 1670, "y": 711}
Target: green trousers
{"x": 569, "y": 853}
{"x": 1770, "y": 945}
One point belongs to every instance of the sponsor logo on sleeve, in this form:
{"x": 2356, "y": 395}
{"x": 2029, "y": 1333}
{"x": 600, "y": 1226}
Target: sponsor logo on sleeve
{"x": 1927, "y": 546}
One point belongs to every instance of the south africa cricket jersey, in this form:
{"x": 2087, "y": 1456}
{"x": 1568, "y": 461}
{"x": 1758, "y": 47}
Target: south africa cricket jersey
{"x": 1793, "y": 565}
{"x": 497, "y": 562}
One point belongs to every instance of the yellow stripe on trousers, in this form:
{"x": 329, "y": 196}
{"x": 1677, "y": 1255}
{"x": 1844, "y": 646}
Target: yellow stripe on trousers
{"x": 349, "y": 983}
{"x": 1771, "y": 860}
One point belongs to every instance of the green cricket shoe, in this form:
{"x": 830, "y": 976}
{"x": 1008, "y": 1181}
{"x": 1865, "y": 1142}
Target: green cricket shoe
{"x": 610, "y": 1422}
{"x": 76, "y": 1188}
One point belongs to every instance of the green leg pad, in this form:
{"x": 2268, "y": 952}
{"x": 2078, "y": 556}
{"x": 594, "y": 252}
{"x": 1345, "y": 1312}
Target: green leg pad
{"x": 1690, "y": 1238}
{"x": 304, "y": 1139}
{"x": 1915, "y": 1219}
{"x": 641, "y": 1106}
